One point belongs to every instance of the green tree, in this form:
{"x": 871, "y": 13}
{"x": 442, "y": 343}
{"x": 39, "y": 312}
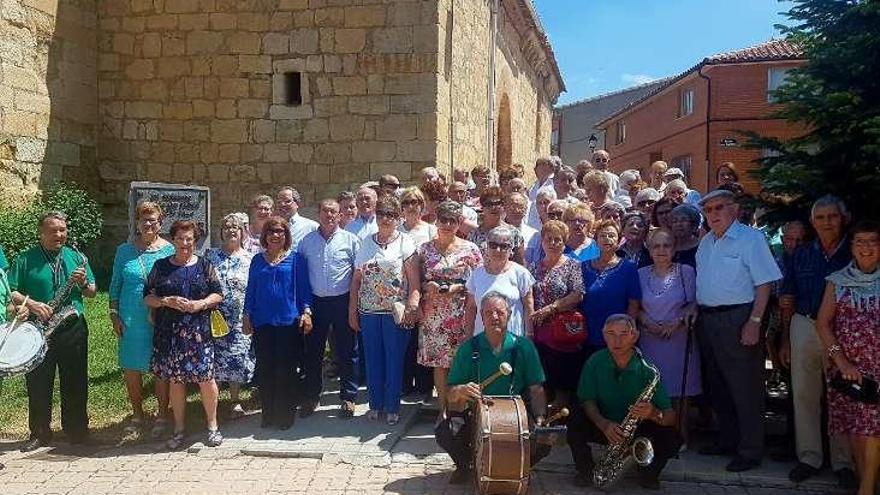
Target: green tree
{"x": 836, "y": 95}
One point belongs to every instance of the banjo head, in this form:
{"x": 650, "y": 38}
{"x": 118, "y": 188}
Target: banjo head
{"x": 23, "y": 348}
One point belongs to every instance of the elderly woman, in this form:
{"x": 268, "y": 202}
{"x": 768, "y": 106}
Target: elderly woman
{"x": 130, "y": 315}
{"x": 645, "y": 201}
{"x": 348, "y": 209}
{"x": 183, "y": 289}
{"x": 635, "y": 230}
{"x": 669, "y": 309}
{"x": 446, "y": 263}
{"x": 579, "y": 244}
{"x": 663, "y": 212}
{"x": 261, "y": 209}
{"x": 847, "y": 326}
{"x": 492, "y": 201}
{"x": 611, "y": 285}
{"x": 685, "y": 226}
{"x": 612, "y": 210}
{"x": 726, "y": 174}
{"x": 412, "y": 201}
{"x": 233, "y": 362}
{"x": 386, "y": 272}
{"x": 277, "y": 312}
{"x": 564, "y": 184}
{"x": 554, "y": 211}
{"x": 559, "y": 289}
{"x": 598, "y": 188}
{"x": 501, "y": 275}
{"x": 543, "y": 199}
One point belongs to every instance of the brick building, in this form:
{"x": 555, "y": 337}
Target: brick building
{"x": 693, "y": 120}
{"x": 245, "y": 95}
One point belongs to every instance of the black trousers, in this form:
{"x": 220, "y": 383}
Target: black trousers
{"x": 416, "y": 378}
{"x": 457, "y": 440}
{"x": 331, "y": 312}
{"x": 279, "y": 354}
{"x": 582, "y": 431}
{"x": 68, "y": 352}
{"x": 735, "y": 374}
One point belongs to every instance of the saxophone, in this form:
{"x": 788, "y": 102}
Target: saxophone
{"x": 618, "y": 457}
{"x": 62, "y": 311}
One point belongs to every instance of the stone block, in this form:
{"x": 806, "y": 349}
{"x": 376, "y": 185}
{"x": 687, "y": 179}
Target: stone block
{"x": 371, "y": 151}
{"x": 427, "y": 127}
{"x": 107, "y": 62}
{"x": 134, "y": 24}
{"x": 229, "y": 153}
{"x": 217, "y": 173}
{"x": 332, "y": 64}
{"x": 180, "y": 110}
{"x": 170, "y": 130}
{"x": 289, "y": 131}
{"x": 330, "y": 106}
{"x": 205, "y": 42}
{"x": 304, "y": 41}
{"x": 332, "y": 153}
{"x": 224, "y": 65}
{"x": 276, "y": 43}
{"x": 173, "y": 44}
{"x": 301, "y": 153}
{"x": 123, "y": 43}
{"x": 369, "y": 105}
{"x": 262, "y": 131}
{"x": 413, "y": 103}
{"x": 405, "y": 14}
{"x": 229, "y": 131}
{"x": 151, "y": 45}
{"x": 303, "y": 19}
{"x": 326, "y": 40}
{"x": 316, "y": 130}
{"x": 30, "y": 149}
{"x": 392, "y": 40}
{"x": 346, "y": 128}
{"x": 415, "y": 151}
{"x": 194, "y": 22}
{"x": 330, "y": 17}
{"x": 251, "y": 152}
{"x": 376, "y": 84}
{"x": 65, "y": 154}
{"x": 397, "y": 128}
{"x": 252, "y": 108}
{"x": 350, "y": 40}
{"x": 387, "y": 63}
{"x": 247, "y": 43}
{"x": 181, "y": 6}
{"x": 210, "y": 152}
{"x": 234, "y": 87}
{"x": 258, "y": 64}
{"x": 293, "y": 4}
{"x": 227, "y": 109}
{"x": 196, "y": 131}
{"x": 399, "y": 169}
{"x": 222, "y": 21}
{"x": 140, "y": 69}
{"x": 365, "y": 16}
{"x": 203, "y": 108}
{"x": 143, "y": 110}
{"x": 349, "y": 85}
{"x": 256, "y": 22}
{"x": 183, "y": 173}
{"x": 408, "y": 84}
{"x": 186, "y": 153}
{"x": 276, "y": 152}
{"x": 426, "y": 39}
{"x": 19, "y": 123}
{"x": 261, "y": 87}
{"x": 17, "y": 77}
{"x": 287, "y": 112}
{"x": 314, "y": 63}
{"x": 280, "y": 21}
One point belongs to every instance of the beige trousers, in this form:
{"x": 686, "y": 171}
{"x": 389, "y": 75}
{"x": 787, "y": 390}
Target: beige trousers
{"x": 807, "y": 377}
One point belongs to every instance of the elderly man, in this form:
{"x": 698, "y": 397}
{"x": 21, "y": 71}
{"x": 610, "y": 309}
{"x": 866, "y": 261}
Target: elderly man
{"x": 364, "y": 225}
{"x": 543, "y": 180}
{"x": 690, "y": 196}
{"x": 515, "y": 207}
{"x": 656, "y": 181}
{"x": 330, "y": 253}
{"x": 458, "y": 192}
{"x": 564, "y": 184}
{"x": 646, "y": 199}
{"x": 476, "y": 359}
{"x": 610, "y": 384}
{"x": 602, "y": 161}
{"x": 287, "y": 203}
{"x": 389, "y": 184}
{"x": 38, "y": 275}
{"x": 735, "y": 275}
{"x": 800, "y": 347}
{"x": 431, "y": 174}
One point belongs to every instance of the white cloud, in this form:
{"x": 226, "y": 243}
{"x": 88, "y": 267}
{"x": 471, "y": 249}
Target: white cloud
{"x": 636, "y": 79}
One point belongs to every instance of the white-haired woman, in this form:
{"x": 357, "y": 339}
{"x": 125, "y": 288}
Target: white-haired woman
{"x": 233, "y": 361}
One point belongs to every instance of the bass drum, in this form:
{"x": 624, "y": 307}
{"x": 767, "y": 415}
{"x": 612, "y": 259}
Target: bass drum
{"x": 503, "y": 456}
{"x": 22, "y": 348}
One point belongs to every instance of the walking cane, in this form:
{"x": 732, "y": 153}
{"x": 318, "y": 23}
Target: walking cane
{"x": 684, "y": 376}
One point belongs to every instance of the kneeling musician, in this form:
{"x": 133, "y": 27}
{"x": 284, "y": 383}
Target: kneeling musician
{"x": 624, "y": 404}
{"x": 480, "y": 368}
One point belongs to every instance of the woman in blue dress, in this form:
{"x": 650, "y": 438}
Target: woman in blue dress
{"x": 611, "y": 283}
{"x": 130, "y": 316}
{"x": 233, "y": 361}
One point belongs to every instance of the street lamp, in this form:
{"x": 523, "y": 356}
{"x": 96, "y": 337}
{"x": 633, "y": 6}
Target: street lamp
{"x": 593, "y": 142}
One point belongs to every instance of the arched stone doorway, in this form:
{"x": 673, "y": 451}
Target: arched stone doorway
{"x": 503, "y": 140}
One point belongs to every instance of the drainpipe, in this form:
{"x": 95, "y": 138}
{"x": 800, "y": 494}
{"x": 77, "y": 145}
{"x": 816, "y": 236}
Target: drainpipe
{"x": 450, "y": 26}
{"x": 490, "y": 132}
{"x": 708, "y": 121}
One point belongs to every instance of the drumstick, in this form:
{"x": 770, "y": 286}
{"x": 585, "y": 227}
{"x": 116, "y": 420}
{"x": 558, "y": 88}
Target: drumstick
{"x": 15, "y": 322}
{"x": 559, "y": 415}
{"x": 503, "y": 370}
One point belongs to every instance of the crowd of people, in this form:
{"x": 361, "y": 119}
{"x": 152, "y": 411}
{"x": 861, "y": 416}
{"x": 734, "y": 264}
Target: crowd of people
{"x": 585, "y": 281}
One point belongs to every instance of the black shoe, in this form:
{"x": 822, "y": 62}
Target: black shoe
{"x": 846, "y": 479}
{"x": 802, "y": 472}
{"x": 583, "y": 479}
{"x": 649, "y": 482}
{"x": 461, "y": 476}
{"x": 740, "y": 464}
{"x": 714, "y": 449}
{"x": 35, "y": 443}
{"x": 308, "y": 409}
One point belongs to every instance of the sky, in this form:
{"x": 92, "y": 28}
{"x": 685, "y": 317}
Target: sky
{"x": 606, "y": 45}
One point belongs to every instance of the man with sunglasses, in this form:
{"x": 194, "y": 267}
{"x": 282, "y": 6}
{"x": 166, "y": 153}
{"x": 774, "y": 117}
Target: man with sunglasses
{"x": 602, "y": 161}
{"x": 389, "y": 184}
{"x": 735, "y": 275}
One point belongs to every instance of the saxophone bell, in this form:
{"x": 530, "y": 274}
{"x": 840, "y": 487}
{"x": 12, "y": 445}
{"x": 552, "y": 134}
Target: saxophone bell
{"x": 642, "y": 451}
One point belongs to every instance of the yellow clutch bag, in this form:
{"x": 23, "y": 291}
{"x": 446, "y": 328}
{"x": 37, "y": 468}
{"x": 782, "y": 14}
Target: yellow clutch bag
{"x": 219, "y": 327}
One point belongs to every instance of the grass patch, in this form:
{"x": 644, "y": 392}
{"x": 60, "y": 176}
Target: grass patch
{"x": 108, "y": 401}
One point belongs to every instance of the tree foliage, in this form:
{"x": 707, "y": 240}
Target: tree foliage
{"x": 836, "y": 96}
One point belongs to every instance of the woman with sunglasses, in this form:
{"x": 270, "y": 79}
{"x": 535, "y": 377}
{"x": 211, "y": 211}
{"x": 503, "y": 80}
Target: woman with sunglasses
{"x": 445, "y": 263}
{"x": 635, "y": 231}
{"x": 385, "y": 273}
{"x": 492, "y": 201}
{"x": 663, "y": 212}
{"x": 412, "y": 202}
{"x": 499, "y": 274}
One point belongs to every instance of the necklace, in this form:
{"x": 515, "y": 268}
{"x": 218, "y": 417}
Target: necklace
{"x": 668, "y": 280}
{"x": 384, "y": 245}
{"x": 278, "y": 258}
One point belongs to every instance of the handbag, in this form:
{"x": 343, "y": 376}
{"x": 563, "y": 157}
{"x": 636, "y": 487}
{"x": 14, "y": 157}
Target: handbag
{"x": 564, "y": 331}
{"x": 866, "y": 392}
{"x": 219, "y": 327}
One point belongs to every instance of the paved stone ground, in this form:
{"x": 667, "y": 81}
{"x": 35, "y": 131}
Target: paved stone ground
{"x": 325, "y": 455}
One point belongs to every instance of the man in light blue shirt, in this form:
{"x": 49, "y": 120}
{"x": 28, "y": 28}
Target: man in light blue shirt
{"x": 330, "y": 253}
{"x": 543, "y": 180}
{"x": 287, "y": 203}
{"x": 365, "y": 224}
{"x": 735, "y": 275}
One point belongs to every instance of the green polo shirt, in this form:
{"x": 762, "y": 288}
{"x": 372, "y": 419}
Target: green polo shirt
{"x": 614, "y": 390}
{"x": 31, "y": 274}
{"x": 527, "y": 370}
{"x": 4, "y": 264}
{"x": 5, "y": 295}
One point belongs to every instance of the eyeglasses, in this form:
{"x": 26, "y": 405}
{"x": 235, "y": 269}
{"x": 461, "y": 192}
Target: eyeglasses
{"x": 276, "y": 231}
{"x": 578, "y": 221}
{"x": 556, "y": 215}
{"x": 392, "y": 215}
{"x": 149, "y": 221}
{"x": 501, "y": 246}
{"x": 715, "y": 209}
{"x": 447, "y": 220}
{"x": 601, "y": 160}
{"x": 863, "y": 243}
{"x": 493, "y": 204}
{"x": 392, "y": 185}
{"x": 410, "y": 202}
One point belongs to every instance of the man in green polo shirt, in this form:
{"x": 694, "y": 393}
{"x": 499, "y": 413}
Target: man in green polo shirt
{"x": 477, "y": 359}
{"x": 38, "y": 274}
{"x": 611, "y": 381}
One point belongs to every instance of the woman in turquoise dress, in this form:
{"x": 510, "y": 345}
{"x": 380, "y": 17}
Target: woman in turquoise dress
{"x": 233, "y": 361}
{"x": 131, "y": 317}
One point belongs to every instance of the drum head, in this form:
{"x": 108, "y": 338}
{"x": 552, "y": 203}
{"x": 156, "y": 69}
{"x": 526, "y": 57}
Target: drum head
{"x": 23, "y": 348}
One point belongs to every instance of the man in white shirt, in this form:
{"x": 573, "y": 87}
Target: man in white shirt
{"x": 364, "y": 225}
{"x": 287, "y": 202}
{"x": 543, "y": 179}
{"x": 602, "y": 161}
{"x": 515, "y": 208}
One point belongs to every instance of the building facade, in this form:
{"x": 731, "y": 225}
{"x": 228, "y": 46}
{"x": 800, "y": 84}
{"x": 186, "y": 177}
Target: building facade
{"x": 695, "y": 120}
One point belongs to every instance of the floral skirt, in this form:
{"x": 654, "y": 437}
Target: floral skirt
{"x": 183, "y": 353}
{"x": 233, "y": 358}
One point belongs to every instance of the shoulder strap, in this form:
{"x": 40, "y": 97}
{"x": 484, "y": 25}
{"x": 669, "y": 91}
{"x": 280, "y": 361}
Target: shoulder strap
{"x": 475, "y": 359}
{"x": 513, "y": 362}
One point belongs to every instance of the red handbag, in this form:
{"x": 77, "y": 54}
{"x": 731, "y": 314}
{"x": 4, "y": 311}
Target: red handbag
{"x": 564, "y": 331}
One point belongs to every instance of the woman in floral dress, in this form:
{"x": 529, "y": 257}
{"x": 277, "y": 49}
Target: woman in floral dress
{"x": 446, "y": 263}
{"x": 847, "y": 326}
{"x": 233, "y": 361}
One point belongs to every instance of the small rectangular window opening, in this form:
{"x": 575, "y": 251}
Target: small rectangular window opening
{"x": 293, "y": 88}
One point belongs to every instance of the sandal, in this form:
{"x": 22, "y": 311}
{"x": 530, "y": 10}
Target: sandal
{"x": 160, "y": 428}
{"x": 135, "y": 427}
{"x": 214, "y": 438}
{"x": 176, "y": 440}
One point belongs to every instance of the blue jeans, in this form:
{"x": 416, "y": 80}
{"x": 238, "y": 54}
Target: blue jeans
{"x": 384, "y": 347}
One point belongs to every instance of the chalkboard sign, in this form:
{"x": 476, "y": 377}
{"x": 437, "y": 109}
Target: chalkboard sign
{"x": 179, "y": 202}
